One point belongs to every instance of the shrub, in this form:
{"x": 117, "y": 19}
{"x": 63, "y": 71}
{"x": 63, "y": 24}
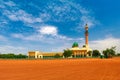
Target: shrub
{"x": 57, "y": 56}
{"x": 67, "y": 53}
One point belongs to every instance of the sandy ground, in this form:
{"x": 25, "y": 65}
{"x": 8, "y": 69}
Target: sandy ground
{"x": 71, "y": 69}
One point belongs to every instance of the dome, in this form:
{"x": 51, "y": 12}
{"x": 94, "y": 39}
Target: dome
{"x": 75, "y": 44}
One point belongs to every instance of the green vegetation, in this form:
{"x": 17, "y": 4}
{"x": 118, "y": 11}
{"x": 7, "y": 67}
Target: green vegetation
{"x": 89, "y": 53}
{"x": 84, "y": 46}
{"x": 96, "y": 53}
{"x": 67, "y": 53}
{"x": 118, "y": 54}
{"x": 12, "y": 56}
{"x": 57, "y": 56}
{"x": 109, "y": 52}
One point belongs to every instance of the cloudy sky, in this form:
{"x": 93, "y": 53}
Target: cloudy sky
{"x": 53, "y": 25}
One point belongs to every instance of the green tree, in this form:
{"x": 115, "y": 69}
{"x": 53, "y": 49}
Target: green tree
{"x": 12, "y": 56}
{"x": 57, "y": 56}
{"x": 67, "y": 53}
{"x": 96, "y": 53}
{"x": 21, "y": 56}
{"x": 118, "y": 54}
{"x": 89, "y": 53}
{"x": 109, "y": 52}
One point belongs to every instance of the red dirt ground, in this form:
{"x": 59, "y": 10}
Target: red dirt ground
{"x": 66, "y": 69}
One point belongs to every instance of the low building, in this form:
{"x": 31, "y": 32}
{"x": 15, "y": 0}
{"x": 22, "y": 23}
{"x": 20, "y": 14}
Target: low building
{"x": 38, "y": 54}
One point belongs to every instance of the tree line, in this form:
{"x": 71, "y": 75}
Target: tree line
{"x": 12, "y": 56}
{"x": 107, "y": 53}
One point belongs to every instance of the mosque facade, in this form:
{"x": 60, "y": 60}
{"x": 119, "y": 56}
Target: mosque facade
{"x": 85, "y": 51}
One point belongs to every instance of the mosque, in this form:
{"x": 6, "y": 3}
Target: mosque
{"x": 85, "y": 51}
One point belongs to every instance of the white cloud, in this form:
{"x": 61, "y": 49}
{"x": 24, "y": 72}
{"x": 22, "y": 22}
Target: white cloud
{"x": 88, "y": 20}
{"x": 21, "y": 15}
{"x": 67, "y": 11}
{"x": 50, "y": 39}
{"x": 18, "y": 35}
{"x": 101, "y": 44}
{"x": 48, "y": 30}
{"x": 64, "y": 42}
{"x": 10, "y": 3}
{"x": 12, "y": 49}
{"x": 3, "y": 22}
{"x": 106, "y": 43}
{"x": 47, "y": 34}
{"x": 14, "y": 13}
{"x": 85, "y": 16}
{"x": 52, "y": 12}
{"x": 2, "y": 38}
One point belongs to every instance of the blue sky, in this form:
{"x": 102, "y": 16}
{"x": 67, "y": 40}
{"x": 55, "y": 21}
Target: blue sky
{"x": 53, "y": 25}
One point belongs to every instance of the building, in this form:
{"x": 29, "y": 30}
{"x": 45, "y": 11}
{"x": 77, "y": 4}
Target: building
{"x": 84, "y": 51}
{"x": 39, "y": 54}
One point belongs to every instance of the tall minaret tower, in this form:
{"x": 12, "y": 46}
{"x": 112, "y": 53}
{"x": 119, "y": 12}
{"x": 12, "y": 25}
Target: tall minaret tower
{"x": 86, "y": 35}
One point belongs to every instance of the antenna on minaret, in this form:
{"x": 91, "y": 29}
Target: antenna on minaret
{"x": 86, "y": 26}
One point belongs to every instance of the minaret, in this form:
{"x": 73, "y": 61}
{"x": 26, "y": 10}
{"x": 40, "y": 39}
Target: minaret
{"x": 86, "y": 35}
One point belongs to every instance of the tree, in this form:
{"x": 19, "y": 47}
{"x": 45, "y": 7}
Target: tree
{"x": 96, "y": 53}
{"x": 109, "y": 52}
{"x": 21, "y": 56}
{"x": 89, "y": 53}
{"x": 12, "y": 56}
{"x": 118, "y": 54}
{"x": 67, "y": 53}
{"x": 57, "y": 56}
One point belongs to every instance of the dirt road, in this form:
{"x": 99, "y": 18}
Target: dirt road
{"x": 71, "y": 69}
